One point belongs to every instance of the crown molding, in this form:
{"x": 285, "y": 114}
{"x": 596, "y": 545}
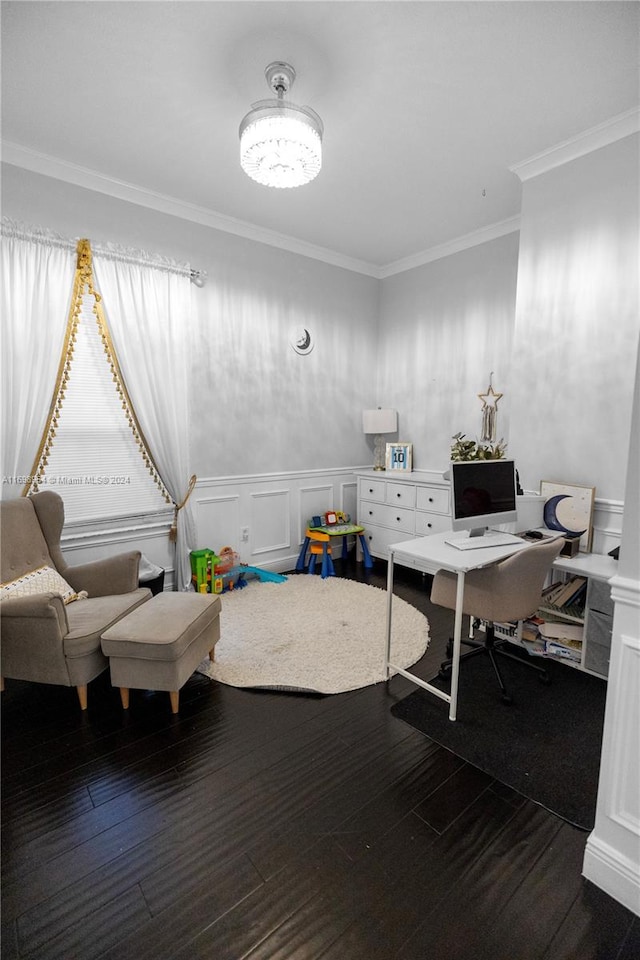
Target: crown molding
{"x": 474, "y": 239}
{"x": 602, "y": 135}
{"x": 19, "y": 156}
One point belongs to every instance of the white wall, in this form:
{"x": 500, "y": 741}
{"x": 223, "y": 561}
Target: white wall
{"x": 444, "y": 327}
{"x": 256, "y": 405}
{"x": 577, "y": 321}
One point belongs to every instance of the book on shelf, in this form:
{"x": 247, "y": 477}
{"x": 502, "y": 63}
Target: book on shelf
{"x": 564, "y": 594}
{"x": 544, "y": 638}
{"x": 564, "y": 652}
{"x": 562, "y": 632}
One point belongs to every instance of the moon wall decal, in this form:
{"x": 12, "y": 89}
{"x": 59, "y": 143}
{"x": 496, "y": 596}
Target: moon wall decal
{"x": 300, "y": 340}
{"x": 559, "y": 515}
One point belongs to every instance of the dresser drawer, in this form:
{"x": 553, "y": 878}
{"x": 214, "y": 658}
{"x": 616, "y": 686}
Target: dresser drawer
{"x": 371, "y": 489}
{"x": 396, "y": 518}
{"x": 379, "y": 538}
{"x": 433, "y": 499}
{"x": 427, "y": 523}
{"x": 401, "y": 494}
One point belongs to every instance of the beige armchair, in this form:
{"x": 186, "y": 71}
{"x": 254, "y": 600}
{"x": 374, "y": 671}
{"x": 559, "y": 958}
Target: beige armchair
{"x": 505, "y": 591}
{"x": 44, "y": 638}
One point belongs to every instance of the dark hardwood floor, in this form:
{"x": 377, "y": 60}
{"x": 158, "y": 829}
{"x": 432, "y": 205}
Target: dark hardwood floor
{"x": 278, "y": 826}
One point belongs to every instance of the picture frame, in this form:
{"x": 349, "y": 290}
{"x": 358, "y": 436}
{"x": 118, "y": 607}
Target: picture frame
{"x": 568, "y": 508}
{"x": 399, "y": 457}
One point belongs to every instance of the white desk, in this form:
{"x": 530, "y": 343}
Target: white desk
{"x": 431, "y": 554}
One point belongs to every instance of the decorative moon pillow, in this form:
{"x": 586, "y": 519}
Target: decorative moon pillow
{"x": 42, "y": 580}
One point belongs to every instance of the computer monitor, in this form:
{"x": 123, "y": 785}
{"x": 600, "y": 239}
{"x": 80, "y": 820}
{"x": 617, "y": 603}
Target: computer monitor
{"x": 483, "y": 492}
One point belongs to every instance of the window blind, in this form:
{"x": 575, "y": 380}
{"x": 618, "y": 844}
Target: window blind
{"x": 94, "y": 462}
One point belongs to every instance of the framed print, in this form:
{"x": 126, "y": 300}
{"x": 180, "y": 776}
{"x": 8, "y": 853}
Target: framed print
{"x": 569, "y": 508}
{"x": 399, "y": 457}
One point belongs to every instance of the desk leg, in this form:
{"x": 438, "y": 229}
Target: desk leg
{"x": 457, "y": 641}
{"x": 387, "y": 649}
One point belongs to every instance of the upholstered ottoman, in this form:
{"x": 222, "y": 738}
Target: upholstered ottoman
{"x": 159, "y": 645}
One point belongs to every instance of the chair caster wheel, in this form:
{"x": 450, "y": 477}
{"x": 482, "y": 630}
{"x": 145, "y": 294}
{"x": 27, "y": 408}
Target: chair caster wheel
{"x": 545, "y": 678}
{"x": 506, "y": 698}
{"x": 449, "y": 647}
{"x": 443, "y": 673}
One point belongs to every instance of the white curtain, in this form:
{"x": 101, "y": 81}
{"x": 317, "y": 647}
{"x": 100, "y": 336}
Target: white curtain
{"x": 36, "y": 280}
{"x": 147, "y": 307}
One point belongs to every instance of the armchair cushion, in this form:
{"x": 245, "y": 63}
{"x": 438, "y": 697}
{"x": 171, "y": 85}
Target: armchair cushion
{"x": 43, "y": 580}
{"x": 89, "y": 620}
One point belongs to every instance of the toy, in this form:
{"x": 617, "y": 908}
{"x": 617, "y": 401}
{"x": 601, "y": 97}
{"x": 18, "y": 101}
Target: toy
{"x": 211, "y": 573}
{"x": 202, "y": 564}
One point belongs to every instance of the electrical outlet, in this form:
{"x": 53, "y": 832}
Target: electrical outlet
{"x": 244, "y": 534}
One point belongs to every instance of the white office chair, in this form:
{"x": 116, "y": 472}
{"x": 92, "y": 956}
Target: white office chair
{"x": 506, "y": 591}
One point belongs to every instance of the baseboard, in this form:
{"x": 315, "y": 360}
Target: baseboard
{"x": 616, "y": 875}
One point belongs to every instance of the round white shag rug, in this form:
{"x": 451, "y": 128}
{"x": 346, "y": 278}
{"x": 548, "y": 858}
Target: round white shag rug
{"x": 325, "y": 636}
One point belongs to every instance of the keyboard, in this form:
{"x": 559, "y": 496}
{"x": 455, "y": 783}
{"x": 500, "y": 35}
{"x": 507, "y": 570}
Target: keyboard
{"x": 491, "y": 539}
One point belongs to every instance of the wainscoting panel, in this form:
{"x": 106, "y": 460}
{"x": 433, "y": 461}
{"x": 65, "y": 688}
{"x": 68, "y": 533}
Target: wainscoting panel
{"x": 349, "y": 498}
{"x": 270, "y": 528}
{"x": 84, "y": 542}
{"x": 607, "y": 525}
{"x": 264, "y": 517}
{"x": 314, "y": 501}
{"x": 217, "y": 520}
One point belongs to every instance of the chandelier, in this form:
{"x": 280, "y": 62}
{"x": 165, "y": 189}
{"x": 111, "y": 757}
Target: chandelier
{"x": 281, "y": 143}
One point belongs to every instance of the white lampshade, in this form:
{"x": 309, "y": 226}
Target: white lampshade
{"x": 280, "y": 142}
{"x": 379, "y": 421}
{"x": 280, "y": 146}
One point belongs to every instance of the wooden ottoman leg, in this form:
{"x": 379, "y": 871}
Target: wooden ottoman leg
{"x": 82, "y": 696}
{"x": 212, "y": 654}
{"x": 175, "y": 700}
{"x": 124, "y": 696}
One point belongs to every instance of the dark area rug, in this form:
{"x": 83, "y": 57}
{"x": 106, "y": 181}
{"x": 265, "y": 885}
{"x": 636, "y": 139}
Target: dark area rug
{"x": 546, "y": 744}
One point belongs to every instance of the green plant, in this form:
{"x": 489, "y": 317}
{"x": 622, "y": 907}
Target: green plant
{"x": 463, "y": 449}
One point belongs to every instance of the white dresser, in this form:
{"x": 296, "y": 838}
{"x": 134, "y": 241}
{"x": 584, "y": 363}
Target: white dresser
{"x": 400, "y": 506}
{"x": 392, "y": 507}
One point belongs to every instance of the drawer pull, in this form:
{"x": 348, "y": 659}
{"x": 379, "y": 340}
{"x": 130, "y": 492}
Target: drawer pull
{"x": 370, "y": 490}
{"x": 430, "y": 499}
{"x": 398, "y": 494}
{"x": 429, "y": 525}
{"x": 399, "y": 519}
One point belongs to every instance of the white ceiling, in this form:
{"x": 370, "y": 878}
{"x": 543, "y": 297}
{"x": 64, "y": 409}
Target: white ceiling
{"x": 426, "y": 106}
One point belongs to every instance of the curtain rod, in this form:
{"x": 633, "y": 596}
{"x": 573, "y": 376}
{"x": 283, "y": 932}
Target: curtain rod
{"x": 109, "y": 250}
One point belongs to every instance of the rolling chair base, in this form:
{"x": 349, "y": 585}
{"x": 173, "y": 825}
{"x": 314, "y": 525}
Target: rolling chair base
{"x": 490, "y": 646}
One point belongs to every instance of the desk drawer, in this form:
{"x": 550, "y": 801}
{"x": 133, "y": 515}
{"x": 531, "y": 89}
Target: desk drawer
{"x": 396, "y": 518}
{"x": 371, "y": 489}
{"x": 433, "y": 499}
{"x": 401, "y": 494}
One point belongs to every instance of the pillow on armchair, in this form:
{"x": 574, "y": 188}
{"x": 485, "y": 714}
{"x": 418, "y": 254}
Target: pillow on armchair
{"x": 43, "y": 580}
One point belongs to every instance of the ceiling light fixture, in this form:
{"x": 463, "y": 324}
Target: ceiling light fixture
{"x": 281, "y": 143}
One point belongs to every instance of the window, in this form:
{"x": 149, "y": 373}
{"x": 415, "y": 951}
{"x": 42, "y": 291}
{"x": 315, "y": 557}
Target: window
{"x": 96, "y": 460}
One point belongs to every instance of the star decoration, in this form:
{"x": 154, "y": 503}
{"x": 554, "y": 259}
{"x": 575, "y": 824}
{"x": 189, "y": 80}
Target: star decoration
{"x": 490, "y": 398}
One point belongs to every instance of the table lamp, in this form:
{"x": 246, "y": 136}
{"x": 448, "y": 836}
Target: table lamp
{"x": 379, "y": 422}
